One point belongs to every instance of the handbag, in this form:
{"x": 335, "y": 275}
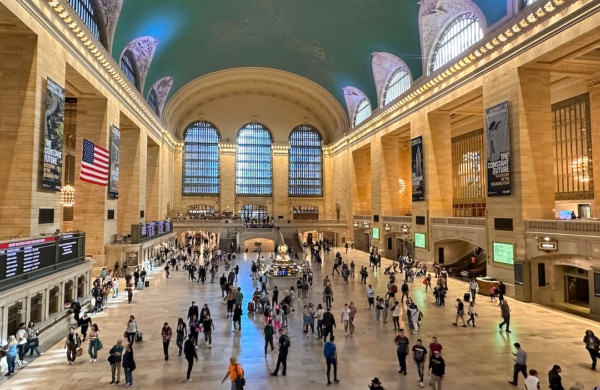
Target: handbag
{"x": 240, "y": 381}
{"x": 99, "y": 345}
{"x": 79, "y": 352}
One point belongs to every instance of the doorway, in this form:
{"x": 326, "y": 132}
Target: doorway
{"x": 577, "y": 290}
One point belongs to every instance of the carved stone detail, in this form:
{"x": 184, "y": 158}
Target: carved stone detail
{"x": 384, "y": 65}
{"x": 110, "y": 9}
{"x": 353, "y": 98}
{"x": 434, "y": 17}
{"x": 162, "y": 88}
{"x": 142, "y": 49}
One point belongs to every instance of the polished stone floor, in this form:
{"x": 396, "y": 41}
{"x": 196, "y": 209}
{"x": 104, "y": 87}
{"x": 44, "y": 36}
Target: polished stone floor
{"x": 476, "y": 358}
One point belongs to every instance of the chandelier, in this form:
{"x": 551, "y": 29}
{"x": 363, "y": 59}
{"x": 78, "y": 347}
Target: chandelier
{"x": 67, "y": 196}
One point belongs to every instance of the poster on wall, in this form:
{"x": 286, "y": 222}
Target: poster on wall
{"x": 53, "y": 136}
{"x": 498, "y": 150}
{"x": 418, "y": 169}
{"x": 115, "y": 145}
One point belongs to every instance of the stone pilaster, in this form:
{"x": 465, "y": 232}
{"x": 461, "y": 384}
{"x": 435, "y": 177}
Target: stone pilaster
{"x": 132, "y": 186}
{"x": 153, "y": 183}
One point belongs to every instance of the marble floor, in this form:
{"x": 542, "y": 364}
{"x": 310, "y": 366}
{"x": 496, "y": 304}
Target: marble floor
{"x": 476, "y": 358}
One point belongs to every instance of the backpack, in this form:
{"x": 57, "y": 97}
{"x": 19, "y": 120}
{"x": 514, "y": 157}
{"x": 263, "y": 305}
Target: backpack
{"x": 286, "y": 342}
{"x": 394, "y": 289}
{"x": 327, "y": 290}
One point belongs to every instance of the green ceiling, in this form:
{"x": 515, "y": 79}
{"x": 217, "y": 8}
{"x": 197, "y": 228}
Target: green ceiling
{"x": 327, "y": 41}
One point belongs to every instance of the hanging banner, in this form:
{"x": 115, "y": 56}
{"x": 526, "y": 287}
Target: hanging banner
{"x": 498, "y": 150}
{"x": 53, "y": 137}
{"x": 418, "y": 171}
{"x": 115, "y": 145}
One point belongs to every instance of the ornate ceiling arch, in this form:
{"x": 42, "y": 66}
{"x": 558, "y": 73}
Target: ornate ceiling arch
{"x": 142, "y": 49}
{"x": 384, "y": 65}
{"x": 354, "y": 97}
{"x": 187, "y": 103}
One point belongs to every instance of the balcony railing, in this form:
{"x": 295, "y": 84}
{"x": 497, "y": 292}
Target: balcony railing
{"x": 401, "y": 219}
{"x": 456, "y": 221}
{"x": 586, "y": 227}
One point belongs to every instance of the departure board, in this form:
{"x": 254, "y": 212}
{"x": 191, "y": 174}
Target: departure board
{"x": 68, "y": 248}
{"x": 18, "y": 258}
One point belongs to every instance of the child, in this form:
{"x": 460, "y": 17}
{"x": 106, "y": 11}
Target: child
{"x": 472, "y": 314}
{"x": 493, "y": 293}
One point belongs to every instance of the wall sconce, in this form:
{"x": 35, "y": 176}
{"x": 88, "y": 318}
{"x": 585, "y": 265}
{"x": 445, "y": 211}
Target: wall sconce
{"x": 355, "y": 224}
{"x": 387, "y": 227}
{"x": 404, "y": 229}
{"x": 547, "y": 244}
{"x": 366, "y": 224}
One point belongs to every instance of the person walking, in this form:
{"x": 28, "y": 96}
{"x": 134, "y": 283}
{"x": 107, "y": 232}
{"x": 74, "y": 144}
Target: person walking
{"x": 402, "y": 342}
{"x": 189, "y": 351}
{"x": 330, "y": 352}
{"x": 501, "y": 289}
{"x": 181, "y": 332}
{"x": 128, "y": 365}
{"x": 371, "y": 297}
{"x": 403, "y": 289}
{"x": 284, "y": 346}
{"x": 554, "y": 378}
{"x": 396, "y": 315}
{"x": 352, "y": 314}
{"x": 95, "y": 344}
{"x": 473, "y": 287}
{"x": 505, "y": 314}
{"x": 208, "y": 326}
{"x": 237, "y": 318}
{"x": 419, "y": 354}
{"x": 434, "y": 346}
{"x": 115, "y": 356}
{"x": 437, "y": 370}
{"x": 131, "y": 330}
{"x": 71, "y": 344}
{"x": 472, "y": 314}
{"x": 269, "y": 332}
{"x": 345, "y": 318}
{"x": 532, "y": 382}
{"x": 11, "y": 351}
{"x": 328, "y": 295}
{"x": 84, "y": 322}
{"x": 234, "y": 371}
{"x": 193, "y": 311}
{"x": 460, "y": 313}
{"x": 375, "y": 384}
{"x": 166, "y": 334}
{"x": 33, "y": 339}
{"x": 520, "y": 364}
{"x": 22, "y": 343}
{"x": 592, "y": 344}
{"x": 129, "y": 287}
{"x": 328, "y": 324}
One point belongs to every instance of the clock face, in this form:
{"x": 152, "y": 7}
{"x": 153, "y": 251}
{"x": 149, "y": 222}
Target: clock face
{"x": 283, "y": 248}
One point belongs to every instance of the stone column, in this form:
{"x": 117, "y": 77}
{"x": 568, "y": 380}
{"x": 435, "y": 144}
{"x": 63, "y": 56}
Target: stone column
{"x": 153, "y": 187}
{"x": 132, "y": 178}
{"x": 91, "y": 204}
{"x": 390, "y": 172}
{"x": 280, "y": 181}
{"x": 361, "y": 180}
{"x": 228, "y": 178}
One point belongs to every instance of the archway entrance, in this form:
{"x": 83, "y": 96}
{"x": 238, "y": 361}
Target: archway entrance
{"x": 576, "y": 286}
{"x": 264, "y": 244}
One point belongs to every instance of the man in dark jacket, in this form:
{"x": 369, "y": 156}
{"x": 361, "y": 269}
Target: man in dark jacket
{"x": 190, "y": 354}
{"x": 437, "y": 366}
{"x": 193, "y": 311}
{"x": 328, "y": 325}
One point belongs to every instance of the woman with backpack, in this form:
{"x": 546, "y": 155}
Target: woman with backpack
{"x": 328, "y": 295}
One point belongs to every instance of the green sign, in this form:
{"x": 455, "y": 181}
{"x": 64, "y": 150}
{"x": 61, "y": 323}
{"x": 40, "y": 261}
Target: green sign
{"x": 420, "y": 241}
{"x": 376, "y": 233}
{"x": 504, "y": 253}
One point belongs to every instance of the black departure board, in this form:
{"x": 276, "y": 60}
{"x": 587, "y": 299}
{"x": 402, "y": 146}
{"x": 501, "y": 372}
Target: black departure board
{"x": 68, "y": 248}
{"x": 22, "y": 257}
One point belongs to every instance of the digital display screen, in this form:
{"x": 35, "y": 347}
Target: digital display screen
{"x": 144, "y": 232}
{"x": 376, "y": 233}
{"x": 564, "y": 214}
{"x": 283, "y": 272}
{"x": 151, "y": 228}
{"x": 503, "y": 253}
{"x": 68, "y": 249}
{"x": 420, "y": 240}
{"x": 18, "y": 258}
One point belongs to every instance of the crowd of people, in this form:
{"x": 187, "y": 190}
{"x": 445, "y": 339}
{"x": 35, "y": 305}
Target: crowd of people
{"x": 272, "y": 309}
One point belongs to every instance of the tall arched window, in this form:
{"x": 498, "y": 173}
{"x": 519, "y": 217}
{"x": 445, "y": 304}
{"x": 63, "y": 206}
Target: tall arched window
{"x": 398, "y": 83}
{"x": 129, "y": 68}
{"x": 201, "y": 160}
{"x": 254, "y": 161}
{"x": 305, "y": 162}
{"x": 363, "y": 111}
{"x": 85, "y": 10}
{"x": 153, "y": 101}
{"x": 461, "y": 34}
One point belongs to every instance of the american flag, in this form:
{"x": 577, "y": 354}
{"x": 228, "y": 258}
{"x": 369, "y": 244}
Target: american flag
{"x": 94, "y": 164}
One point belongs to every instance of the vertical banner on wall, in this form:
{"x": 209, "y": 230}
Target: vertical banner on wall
{"x": 418, "y": 169}
{"x": 53, "y": 136}
{"x": 115, "y": 145}
{"x": 498, "y": 151}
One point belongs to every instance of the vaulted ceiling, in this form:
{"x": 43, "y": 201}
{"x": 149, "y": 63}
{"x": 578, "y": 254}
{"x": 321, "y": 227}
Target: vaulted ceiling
{"x": 326, "y": 41}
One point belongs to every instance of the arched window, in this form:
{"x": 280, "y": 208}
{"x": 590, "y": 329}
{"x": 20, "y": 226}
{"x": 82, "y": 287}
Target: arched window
{"x": 398, "y": 83}
{"x": 528, "y": 2}
{"x": 86, "y": 12}
{"x": 305, "y": 212}
{"x": 128, "y": 67}
{"x": 461, "y": 34}
{"x": 153, "y": 101}
{"x": 363, "y": 111}
{"x": 305, "y": 162}
{"x": 252, "y": 212}
{"x": 201, "y": 160}
{"x": 254, "y": 161}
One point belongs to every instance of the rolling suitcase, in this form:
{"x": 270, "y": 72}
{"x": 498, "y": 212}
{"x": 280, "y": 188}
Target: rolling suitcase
{"x": 140, "y": 285}
{"x": 467, "y": 297}
{"x": 250, "y": 307}
{"x": 147, "y": 283}
{"x": 138, "y": 337}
